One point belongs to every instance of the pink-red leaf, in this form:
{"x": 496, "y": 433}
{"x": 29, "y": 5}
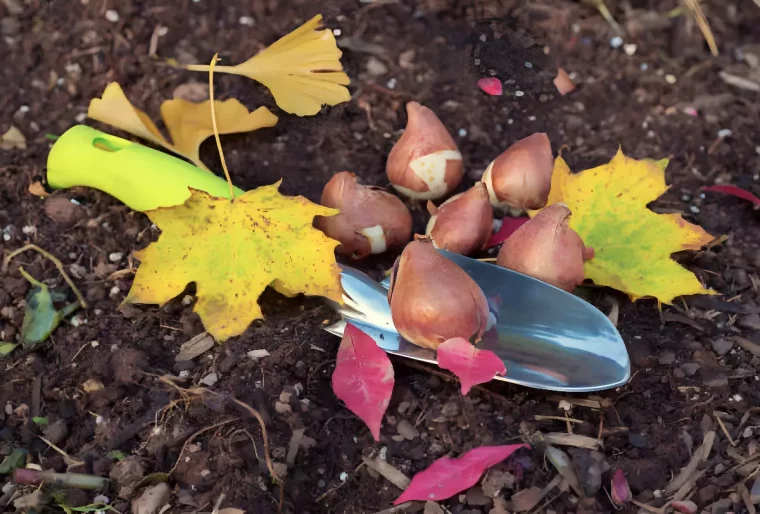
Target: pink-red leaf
{"x": 621, "y": 493}
{"x": 363, "y": 378}
{"x": 491, "y": 85}
{"x": 508, "y": 226}
{"x": 735, "y": 191}
{"x": 471, "y": 365}
{"x": 447, "y": 477}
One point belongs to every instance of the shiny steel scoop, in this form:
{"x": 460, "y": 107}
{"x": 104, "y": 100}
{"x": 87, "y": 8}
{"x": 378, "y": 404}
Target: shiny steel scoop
{"x": 547, "y": 338}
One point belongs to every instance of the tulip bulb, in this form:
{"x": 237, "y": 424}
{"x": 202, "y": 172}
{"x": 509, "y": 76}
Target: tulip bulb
{"x": 548, "y": 249}
{"x": 425, "y": 162}
{"x": 521, "y": 176}
{"x": 433, "y": 300}
{"x": 463, "y": 223}
{"x": 371, "y": 220}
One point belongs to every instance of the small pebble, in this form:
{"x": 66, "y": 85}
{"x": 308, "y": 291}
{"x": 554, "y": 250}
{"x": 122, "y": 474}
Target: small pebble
{"x": 691, "y": 111}
{"x": 616, "y": 42}
{"x": 336, "y": 32}
{"x": 629, "y": 49}
{"x": 724, "y": 133}
{"x": 670, "y": 79}
{"x": 24, "y": 109}
{"x": 248, "y": 21}
{"x": 112, "y": 15}
{"x": 644, "y": 66}
{"x": 462, "y": 132}
{"x": 531, "y": 118}
{"x": 115, "y": 256}
{"x": 210, "y": 379}
{"x": 343, "y": 476}
{"x": 391, "y": 84}
{"x": 694, "y": 209}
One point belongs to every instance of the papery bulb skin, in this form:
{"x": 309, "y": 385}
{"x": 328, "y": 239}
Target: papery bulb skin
{"x": 521, "y": 176}
{"x": 425, "y": 163}
{"x": 371, "y": 220}
{"x": 462, "y": 224}
{"x": 546, "y": 248}
{"x": 433, "y": 300}
{"x": 563, "y": 82}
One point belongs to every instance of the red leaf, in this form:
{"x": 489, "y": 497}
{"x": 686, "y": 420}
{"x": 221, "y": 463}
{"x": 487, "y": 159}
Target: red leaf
{"x": 621, "y": 493}
{"x": 363, "y": 378}
{"x": 508, "y": 225}
{"x": 447, "y": 477}
{"x": 492, "y": 86}
{"x": 471, "y": 365}
{"x": 735, "y": 191}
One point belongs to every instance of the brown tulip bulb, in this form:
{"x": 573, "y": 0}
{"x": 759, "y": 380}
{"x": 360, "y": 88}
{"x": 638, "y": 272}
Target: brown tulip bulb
{"x": 521, "y": 176}
{"x": 371, "y": 220}
{"x": 425, "y": 162}
{"x": 432, "y": 299}
{"x": 546, "y": 248}
{"x": 462, "y": 224}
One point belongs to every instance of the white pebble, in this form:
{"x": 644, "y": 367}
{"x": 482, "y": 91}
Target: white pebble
{"x": 694, "y": 209}
{"x": 510, "y": 121}
{"x": 81, "y": 117}
{"x": 629, "y": 49}
{"x": 29, "y": 230}
{"x": 343, "y": 476}
{"x": 101, "y": 499}
{"x": 616, "y": 42}
{"x": 670, "y": 79}
{"x": 115, "y": 256}
{"x": 531, "y": 118}
{"x": 391, "y": 84}
{"x": 724, "y": 133}
{"x": 248, "y": 21}
{"x": 24, "y": 109}
{"x": 462, "y": 132}
{"x": 184, "y": 373}
{"x": 210, "y": 379}
{"x": 114, "y": 291}
{"x": 258, "y": 354}
{"x": 112, "y": 15}
{"x": 336, "y": 32}
{"x": 6, "y": 237}
{"x": 94, "y": 344}
{"x": 519, "y": 93}
{"x": 644, "y": 66}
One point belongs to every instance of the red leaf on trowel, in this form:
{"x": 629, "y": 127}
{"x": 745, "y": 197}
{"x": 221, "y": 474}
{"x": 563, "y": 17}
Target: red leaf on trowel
{"x": 471, "y": 365}
{"x": 508, "y": 226}
{"x": 363, "y": 378}
{"x": 447, "y": 477}
{"x": 735, "y": 191}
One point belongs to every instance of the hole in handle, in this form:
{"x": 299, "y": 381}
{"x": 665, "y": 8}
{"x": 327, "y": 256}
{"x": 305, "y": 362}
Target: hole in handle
{"x": 108, "y": 145}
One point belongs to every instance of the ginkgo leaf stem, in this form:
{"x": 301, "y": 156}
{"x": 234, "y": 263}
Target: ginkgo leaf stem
{"x": 206, "y": 67}
{"x": 213, "y": 123}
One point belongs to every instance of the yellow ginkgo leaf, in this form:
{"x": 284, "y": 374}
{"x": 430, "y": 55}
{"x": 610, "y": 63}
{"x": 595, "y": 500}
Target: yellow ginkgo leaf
{"x": 233, "y": 251}
{"x": 115, "y": 109}
{"x": 188, "y": 123}
{"x": 302, "y": 70}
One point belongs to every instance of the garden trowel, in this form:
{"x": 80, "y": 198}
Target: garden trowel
{"x": 547, "y": 338}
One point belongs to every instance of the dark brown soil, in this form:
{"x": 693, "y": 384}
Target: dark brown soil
{"x": 59, "y": 55}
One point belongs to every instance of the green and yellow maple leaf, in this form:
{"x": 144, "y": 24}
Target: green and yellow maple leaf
{"x": 233, "y": 251}
{"x": 633, "y": 244}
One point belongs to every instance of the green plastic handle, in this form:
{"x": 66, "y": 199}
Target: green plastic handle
{"x": 138, "y": 176}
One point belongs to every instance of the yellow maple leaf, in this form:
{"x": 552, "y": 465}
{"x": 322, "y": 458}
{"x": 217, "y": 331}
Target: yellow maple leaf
{"x": 232, "y": 251}
{"x": 633, "y": 245}
{"x": 302, "y": 70}
{"x": 188, "y": 123}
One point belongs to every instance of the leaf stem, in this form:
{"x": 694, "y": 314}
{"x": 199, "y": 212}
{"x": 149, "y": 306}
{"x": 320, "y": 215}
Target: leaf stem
{"x": 52, "y": 259}
{"x": 213, "y": 122}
